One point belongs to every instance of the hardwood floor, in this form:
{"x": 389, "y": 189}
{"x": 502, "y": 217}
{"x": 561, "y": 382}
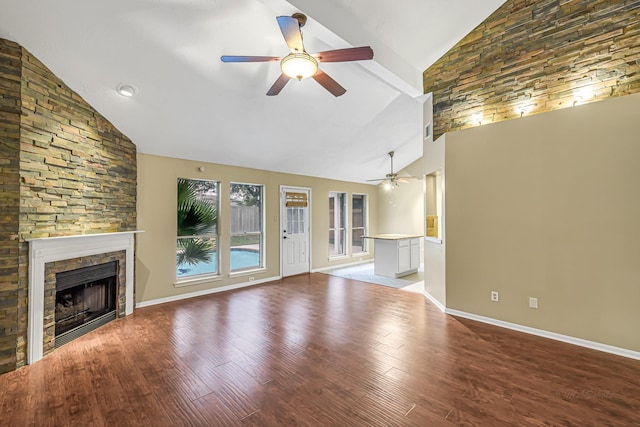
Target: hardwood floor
{"x": 317, "y": 350}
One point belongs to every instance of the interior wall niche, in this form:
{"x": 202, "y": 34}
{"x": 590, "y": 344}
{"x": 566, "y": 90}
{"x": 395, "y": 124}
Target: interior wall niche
{"x": 433, "y": 205}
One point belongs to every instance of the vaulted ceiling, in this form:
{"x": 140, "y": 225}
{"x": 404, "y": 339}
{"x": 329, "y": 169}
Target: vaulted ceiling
{"x": 190, "y": 105}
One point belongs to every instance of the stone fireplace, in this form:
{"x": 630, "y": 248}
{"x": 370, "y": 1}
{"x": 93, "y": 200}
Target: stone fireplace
{"x": 77, "y": 283}
{"x": 82, "y": 294}
{"x": 65, "y": 171}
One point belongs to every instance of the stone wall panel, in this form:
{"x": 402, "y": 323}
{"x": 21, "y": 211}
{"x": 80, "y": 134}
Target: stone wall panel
{"x": 10, "y": 84}
{"x": 536, "y": 56}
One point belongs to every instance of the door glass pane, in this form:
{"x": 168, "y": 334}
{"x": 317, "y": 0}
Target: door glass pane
{"x": 296, "y": 221}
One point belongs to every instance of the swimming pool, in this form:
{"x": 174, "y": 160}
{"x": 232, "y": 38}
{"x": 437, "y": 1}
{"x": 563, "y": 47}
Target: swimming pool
{"x": 240, "y": 259}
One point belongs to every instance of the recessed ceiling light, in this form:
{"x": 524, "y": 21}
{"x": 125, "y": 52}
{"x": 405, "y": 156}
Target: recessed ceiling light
{"x": 126, "y": 89}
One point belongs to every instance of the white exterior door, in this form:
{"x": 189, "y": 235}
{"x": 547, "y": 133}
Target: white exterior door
{"x": 295, "y": 230}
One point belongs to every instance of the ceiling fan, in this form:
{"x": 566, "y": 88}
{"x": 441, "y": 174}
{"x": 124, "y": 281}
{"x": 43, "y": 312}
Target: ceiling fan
{"x": 299, "y": 64}
{"x": 392, "y": 180}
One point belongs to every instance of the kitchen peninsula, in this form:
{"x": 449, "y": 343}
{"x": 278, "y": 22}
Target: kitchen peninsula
{"x": 396, "y": 255}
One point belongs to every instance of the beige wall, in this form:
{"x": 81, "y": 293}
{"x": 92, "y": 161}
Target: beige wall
{"x": 155, "y": 248}
{"x": 548, "y": 206}
{"x": 435, "y": 251}
{"x": 400, "y": 210}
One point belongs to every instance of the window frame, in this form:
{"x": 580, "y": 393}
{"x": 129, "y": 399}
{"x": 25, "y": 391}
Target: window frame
{"x": 345, "y": 226}
{"x": 215, "y": 236}
{"x": 365, "y": 223}
{"x": 260, "y": 234}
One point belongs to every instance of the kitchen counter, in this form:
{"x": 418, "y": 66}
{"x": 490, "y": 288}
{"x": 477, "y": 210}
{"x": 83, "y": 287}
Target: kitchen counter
{"x": 393, "y": 236}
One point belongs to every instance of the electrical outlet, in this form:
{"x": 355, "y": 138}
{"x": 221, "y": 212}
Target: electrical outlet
{"x": 495, "y": 296}
{"x": 533, "y": 302}
{"x": 251, "y": 278}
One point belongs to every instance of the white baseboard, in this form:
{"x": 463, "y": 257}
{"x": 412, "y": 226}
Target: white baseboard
{"x": 546, "y": 334}
{"x": 435, "y": 301}
{"x": 331, "y": 267}
{"x": 205, "y": 292}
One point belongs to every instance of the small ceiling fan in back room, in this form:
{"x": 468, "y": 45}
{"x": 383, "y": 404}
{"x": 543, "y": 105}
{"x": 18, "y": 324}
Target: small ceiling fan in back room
{"x": 392, "y": 180}
{"x": 299, "y": 64}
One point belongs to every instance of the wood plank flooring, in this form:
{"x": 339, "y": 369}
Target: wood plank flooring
{"x": 317, "y": 350}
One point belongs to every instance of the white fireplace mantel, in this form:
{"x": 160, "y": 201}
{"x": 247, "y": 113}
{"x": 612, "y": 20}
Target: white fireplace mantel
{"x": 50, "y": 249}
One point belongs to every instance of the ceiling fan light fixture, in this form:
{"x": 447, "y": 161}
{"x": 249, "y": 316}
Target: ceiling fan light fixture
{"x": 299, "y": 65}
{"x": 390, "y": 185}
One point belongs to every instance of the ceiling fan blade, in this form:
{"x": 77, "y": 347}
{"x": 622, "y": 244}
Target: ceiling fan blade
{"x": 278, "y": 85}
{"x": 290, "y": 28}
{"x": 372, "y": 180}
{"x": 232, "y": 58}
{"x": 328, "y": 83}
{"x": 343, "y": 55}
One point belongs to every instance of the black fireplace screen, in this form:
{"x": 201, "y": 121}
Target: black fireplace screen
{"x": 84, "y": 295}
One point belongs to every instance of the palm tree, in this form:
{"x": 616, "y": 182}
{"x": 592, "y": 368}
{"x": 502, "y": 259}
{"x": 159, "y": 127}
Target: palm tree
{"x": 196, "y": 216}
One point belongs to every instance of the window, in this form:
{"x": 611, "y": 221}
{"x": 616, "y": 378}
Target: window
{"x": 246, "y": 227}
{"x": 197, "y": 231}
{"x": 337, "y": 223}
{"x": 358, "y": 223}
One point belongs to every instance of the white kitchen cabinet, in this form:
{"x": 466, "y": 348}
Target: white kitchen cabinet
{"x": 396, "y": 255}
{"x": 415, "y": 253}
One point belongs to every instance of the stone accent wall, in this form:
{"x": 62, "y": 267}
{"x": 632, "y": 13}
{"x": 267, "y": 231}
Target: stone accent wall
{"x": 50, "y": 270}
{"x": 76, "y": 174}
{"x": 10, "y": 76}
{"x": 534, "y": 56}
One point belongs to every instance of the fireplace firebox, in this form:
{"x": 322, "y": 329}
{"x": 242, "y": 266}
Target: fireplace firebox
{"x": 86, "y": 299}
